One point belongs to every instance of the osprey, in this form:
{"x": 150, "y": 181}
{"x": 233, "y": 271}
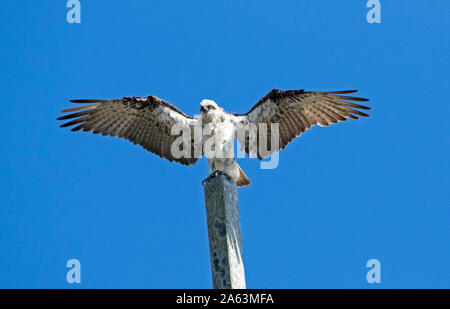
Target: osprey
{"x": 149, "y": 122}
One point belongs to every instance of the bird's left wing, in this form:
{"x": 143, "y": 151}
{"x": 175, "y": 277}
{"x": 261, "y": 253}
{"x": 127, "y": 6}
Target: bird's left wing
{"x": 146, "y": 121}
{"x": 294, "y": 111}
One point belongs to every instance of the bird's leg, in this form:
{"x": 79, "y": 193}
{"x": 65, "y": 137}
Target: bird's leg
{"x": 224, "y": 174}
{"x": 210, "y": 177}
{"x": 215, "y": 174}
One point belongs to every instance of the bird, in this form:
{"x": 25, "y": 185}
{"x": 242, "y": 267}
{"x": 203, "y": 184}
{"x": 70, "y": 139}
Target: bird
{"x": 163, "y": 129}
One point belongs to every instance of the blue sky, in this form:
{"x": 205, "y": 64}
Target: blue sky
{"x": 373, "y": 188}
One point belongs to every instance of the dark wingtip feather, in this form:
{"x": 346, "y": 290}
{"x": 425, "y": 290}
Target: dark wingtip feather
{"x": 85, "y": 101}
{"x": 341, "y": 91}
{"x": 357, "y": 106}
{"x": 75, "y": 121}
{"x": 77, "y": 128}
{"x": 341, "y": 97}
{"x": 78, "y": 108}
{"x": 363, "y": 107}
{"x": 74, "y": 115}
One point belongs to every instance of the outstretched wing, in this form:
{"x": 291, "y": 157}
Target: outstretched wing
{"x": 297, "y": 111}
{"x": 144, "y": 121}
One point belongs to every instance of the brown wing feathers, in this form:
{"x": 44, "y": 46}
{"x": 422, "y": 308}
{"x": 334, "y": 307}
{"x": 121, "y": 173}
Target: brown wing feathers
{"x": 299, "y": 110}
{"x": 132, "y": 118}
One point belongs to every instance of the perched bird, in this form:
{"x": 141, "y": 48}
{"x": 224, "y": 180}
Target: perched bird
{"x": 150, "y": 122}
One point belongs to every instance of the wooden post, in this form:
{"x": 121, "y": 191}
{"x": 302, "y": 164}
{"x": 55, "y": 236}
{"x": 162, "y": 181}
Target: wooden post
{"x": 224, "y": 232}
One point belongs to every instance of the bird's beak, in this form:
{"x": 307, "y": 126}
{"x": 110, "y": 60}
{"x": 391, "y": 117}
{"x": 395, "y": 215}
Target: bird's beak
{"x": 204, "y": 109}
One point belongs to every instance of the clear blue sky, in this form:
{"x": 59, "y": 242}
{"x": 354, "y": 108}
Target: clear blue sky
{"x": 373, "y": 188}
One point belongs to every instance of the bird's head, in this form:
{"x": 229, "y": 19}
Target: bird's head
{"x": 209, "y": 108}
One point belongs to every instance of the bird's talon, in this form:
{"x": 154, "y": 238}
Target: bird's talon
{"x": 215, "y": 174}
{"x": 207, "y": 179}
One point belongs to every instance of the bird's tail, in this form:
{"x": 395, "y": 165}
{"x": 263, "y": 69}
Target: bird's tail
{"x": 243, "y": 181}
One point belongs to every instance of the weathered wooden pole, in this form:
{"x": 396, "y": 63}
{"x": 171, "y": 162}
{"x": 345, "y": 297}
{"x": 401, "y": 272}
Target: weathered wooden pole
{"x": 224, "y": 232}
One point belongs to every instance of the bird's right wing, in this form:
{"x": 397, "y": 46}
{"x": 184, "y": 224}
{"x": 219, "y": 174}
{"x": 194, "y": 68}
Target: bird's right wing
{"x": 296, "y": 111}
{"x": 145, "y": 121}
